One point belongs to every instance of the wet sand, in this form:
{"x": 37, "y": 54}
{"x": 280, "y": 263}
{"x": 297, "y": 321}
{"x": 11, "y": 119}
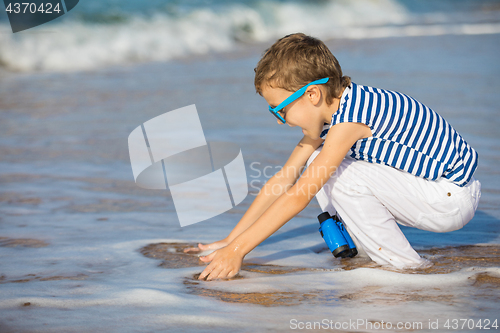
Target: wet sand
{"x": 445, "y": 260}
{"x": 22, "y": 242}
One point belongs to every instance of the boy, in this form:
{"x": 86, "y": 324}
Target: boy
{"x": 375, "y": 157}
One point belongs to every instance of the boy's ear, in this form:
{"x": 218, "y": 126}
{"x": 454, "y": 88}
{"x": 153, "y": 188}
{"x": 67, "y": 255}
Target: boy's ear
{"x": 314, "y": 94}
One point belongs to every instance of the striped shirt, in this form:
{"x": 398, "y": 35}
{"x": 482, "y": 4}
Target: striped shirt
{"x": 406, "y": 135}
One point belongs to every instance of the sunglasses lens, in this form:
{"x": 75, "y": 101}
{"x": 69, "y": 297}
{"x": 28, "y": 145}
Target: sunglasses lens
{"x": 278, "y": 116}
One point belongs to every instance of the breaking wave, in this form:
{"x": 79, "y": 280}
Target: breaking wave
{"x": 86, "y": 41}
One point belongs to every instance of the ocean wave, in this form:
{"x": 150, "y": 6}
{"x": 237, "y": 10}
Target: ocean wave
{"x": 81, "y": 44}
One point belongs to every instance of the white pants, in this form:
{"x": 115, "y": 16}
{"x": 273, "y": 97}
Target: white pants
{"x": 372, "y": 199}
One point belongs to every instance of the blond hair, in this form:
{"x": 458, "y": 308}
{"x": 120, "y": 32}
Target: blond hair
{"x": 296, "y": 60}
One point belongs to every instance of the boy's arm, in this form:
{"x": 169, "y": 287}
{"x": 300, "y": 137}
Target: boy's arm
{"x": 226, "y": 262}
{"x": 277, "y": 184}
{"x": 272, "y": 190}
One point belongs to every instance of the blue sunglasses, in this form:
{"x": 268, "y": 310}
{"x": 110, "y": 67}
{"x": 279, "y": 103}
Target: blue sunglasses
{"x": 292, "y": 98}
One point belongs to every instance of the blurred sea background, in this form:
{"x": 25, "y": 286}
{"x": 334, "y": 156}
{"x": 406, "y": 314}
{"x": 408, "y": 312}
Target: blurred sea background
{"x": 78, "y": 238}
{"x": 112, "y": 32}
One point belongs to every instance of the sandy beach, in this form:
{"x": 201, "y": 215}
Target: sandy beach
{"x": 82, "y": 248}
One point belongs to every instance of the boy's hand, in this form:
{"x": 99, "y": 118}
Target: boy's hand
{"x": 202, "y": 247}
{"x": 225, "y": 263}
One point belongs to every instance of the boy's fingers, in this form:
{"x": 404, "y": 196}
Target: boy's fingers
{"x": 205, "y": 272}
{"x": 225, "y": 274}
{"x": 210, "y": 273}
{"x": 232, "y": 273}
{"x": 192, "y": 249}
{"x": 200, "y": 248}
{"x": 205, "y": 275}
{"x": 210, "y": 246}
{"x": 214, "y": 274}
{"x": 209, "y": 257}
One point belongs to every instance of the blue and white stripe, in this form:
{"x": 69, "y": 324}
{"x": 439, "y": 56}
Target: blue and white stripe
{"x": 407, "y": 135}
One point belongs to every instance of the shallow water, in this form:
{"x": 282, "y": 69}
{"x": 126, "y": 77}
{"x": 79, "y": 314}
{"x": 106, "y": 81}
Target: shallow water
{"x": 485, "y": 284}
{"x": 73, "y": 222}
